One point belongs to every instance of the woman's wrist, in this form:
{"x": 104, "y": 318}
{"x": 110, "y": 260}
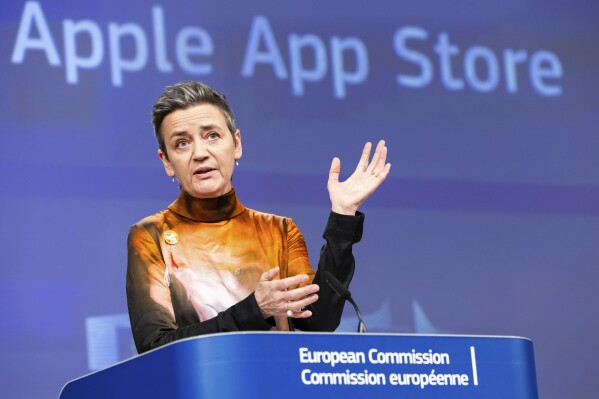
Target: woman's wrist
{"x": 351, "y": 211}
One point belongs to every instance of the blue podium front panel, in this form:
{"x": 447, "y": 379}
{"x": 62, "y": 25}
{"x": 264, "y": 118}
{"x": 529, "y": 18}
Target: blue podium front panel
{"x": 310, "y": 366}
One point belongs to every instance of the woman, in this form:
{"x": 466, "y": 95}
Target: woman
{"x": 207, "y": 264}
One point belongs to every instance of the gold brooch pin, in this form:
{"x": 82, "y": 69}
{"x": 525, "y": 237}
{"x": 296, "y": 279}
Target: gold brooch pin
{"x": 171, "y": 237}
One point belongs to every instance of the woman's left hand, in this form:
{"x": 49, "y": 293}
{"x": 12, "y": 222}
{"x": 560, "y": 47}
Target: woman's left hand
{"x": 346, "y": 197}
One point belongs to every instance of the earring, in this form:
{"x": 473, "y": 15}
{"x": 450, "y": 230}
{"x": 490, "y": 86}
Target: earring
{"x": 173, "y": 179}
{"x": 236, "y": 163}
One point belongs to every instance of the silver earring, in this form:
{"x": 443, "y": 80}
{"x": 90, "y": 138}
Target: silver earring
{"x": 173, "y": 179}
{"x": 236, "y": 163}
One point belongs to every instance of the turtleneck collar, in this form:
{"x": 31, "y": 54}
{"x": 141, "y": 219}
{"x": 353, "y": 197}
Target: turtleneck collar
{"x": 208, "y": 210}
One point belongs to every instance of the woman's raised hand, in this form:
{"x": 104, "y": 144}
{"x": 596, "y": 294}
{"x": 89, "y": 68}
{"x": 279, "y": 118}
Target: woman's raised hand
{"x": 346, "y": 197}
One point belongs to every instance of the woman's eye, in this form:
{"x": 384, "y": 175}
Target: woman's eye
{"x": 182, "y": 144}
{"x": 213, "y": 136}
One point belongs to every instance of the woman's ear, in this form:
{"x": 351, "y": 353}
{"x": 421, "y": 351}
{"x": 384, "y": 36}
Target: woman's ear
{"x": 166, "y": 163}
{"x": 238, "y": 147}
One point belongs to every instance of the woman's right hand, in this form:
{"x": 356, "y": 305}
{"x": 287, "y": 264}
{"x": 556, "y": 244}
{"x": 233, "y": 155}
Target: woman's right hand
{"x": 275, "y": 298}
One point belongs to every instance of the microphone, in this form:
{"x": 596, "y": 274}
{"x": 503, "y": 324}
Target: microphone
{"x": 344, "y": 293}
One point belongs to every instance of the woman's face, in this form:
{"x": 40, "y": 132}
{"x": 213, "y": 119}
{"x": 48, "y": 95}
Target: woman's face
{"x": 201, "y": 150}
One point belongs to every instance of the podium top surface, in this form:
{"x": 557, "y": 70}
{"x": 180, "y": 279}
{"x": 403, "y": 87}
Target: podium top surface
{"x": 301, "y": 365}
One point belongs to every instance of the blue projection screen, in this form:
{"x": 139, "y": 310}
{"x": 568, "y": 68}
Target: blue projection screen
{"x": 487, "y": 224}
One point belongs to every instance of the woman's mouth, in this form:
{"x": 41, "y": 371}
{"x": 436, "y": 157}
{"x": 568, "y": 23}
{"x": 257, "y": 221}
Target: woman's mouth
{"x": 203, "y": 171}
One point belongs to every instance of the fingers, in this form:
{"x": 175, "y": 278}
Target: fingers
{"x": 298, "y": 299}
{"x": 381, "y": 151}
{"x": 285, "y": 283}
{"x": 298, "y": 294}
{"x": 335, "y": 169}
{"x": 280, "y": 297}
{"x": 270, "y": 275}
{"x": 377, "y": 156}
{"x": 363, "y": 163}
{"x": 302, "y": 314}
{"x": 377, "y": 166}
{"x": 294, "y": 281}
{"x": 385, "y": 172}
{"x": 297, "y": 309}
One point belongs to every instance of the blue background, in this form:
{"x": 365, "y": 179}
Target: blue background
{"x": 488, "y": 223}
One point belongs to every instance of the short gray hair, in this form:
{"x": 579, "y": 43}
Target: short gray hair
{"x": 184, "y": 95}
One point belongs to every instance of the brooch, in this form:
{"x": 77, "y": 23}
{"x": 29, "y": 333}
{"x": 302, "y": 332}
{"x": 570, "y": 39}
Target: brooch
{"x": 171, "y": 237}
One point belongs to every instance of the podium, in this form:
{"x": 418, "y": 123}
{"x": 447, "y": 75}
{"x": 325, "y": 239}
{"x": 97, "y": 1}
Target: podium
{"x": 317, "y": 365}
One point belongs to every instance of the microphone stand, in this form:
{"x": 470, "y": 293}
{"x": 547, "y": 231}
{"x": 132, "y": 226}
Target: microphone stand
{"x": 344, "y": 293}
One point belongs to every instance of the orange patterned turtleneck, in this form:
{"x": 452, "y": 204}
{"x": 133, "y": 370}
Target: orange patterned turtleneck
{"x": 193, "y": 268}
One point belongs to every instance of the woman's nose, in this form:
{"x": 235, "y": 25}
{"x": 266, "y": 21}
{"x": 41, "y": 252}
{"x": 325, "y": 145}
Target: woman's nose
{"x": 199, "y": 151}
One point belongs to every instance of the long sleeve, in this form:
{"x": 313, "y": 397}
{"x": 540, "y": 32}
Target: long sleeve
{"x": 149, "y": 297}
{"x": 193, "y": 268}
{"x": 336, "y": 257}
